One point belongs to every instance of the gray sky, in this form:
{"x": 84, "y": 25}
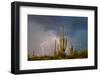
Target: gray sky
{"x": 42, "y": 28}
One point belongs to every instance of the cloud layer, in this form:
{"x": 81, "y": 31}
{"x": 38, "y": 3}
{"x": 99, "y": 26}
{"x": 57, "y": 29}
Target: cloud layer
{"x": 44, "y": 28}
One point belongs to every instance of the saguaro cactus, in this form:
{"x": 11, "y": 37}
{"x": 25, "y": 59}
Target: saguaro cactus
{"x": 63, "y": 42}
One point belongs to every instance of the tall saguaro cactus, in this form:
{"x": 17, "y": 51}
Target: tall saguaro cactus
{"x": 63, "y": 42}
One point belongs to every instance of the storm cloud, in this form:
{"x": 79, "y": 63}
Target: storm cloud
{"x": 43, "y": 28}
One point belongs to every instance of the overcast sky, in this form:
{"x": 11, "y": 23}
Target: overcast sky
{"x": 41, "y": 28}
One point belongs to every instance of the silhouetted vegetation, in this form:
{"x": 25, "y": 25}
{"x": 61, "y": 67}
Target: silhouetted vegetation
{"x": 75, "y": 55}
